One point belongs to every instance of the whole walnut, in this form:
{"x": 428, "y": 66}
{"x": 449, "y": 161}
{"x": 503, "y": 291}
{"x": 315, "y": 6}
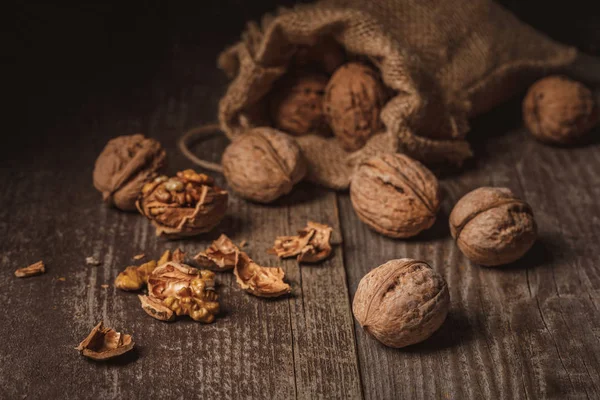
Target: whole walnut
{"x": 326, "y": 55}
{"x": 395, "y": 195}
{"x": 263, "y": 164}
{"x": 401, "y": 302}
{"x": 492, "y": 226}
{"x": 185, "y": 205}
{"x": 353, "y": 100}
{"x": 125, "y": 164}
{"x": 559, "y": 110}
{"x": 297, "y": 104}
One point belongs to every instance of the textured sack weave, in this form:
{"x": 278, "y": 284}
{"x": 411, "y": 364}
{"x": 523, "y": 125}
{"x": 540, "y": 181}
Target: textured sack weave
{"x": 446, "y": 60}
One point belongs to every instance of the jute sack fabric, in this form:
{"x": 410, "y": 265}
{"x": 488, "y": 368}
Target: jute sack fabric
{"x": 444, "y": 60}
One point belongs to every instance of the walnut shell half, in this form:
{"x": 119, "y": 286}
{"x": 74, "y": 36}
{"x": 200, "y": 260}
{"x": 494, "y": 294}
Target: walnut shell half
{"x": 395, "y": 195}
{"x": 401, "y": 302}
{"x": 259, "y": 281}
{"x": 559, "y": 110}
{"x": 103, "y": 343}
{"x": 125, "y": 164}
{"x": 263, "y": 164}
{"x": 492, "y": 226}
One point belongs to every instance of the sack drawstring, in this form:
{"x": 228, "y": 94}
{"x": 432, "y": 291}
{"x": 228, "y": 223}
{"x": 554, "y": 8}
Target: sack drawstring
{"x": 192, "y": 136}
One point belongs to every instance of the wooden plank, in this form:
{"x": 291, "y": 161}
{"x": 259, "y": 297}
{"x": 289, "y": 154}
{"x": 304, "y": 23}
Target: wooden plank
{"x": 529, "y": 330}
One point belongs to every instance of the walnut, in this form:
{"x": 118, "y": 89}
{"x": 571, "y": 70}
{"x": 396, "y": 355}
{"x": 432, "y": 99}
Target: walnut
{"x": 136, "y": 277}
{"x": 310, "y": 245}
{"x": 353, "y": 100}
{"x": 297, "y": 104}
{"x": 103, "y": 343}
{"x": 401, "y": 302}
{"x": 259, "y": 281}
{"x": 559, "y": 110}
{"x": 326, "y": 55}
{"x": 125, "y": 164}
{"x": 185, "y": 205}
{"x": 183, "y": 290}
{"x": 492, "y": 226}
{"x": 263, "y": 164}
{"x": 222, "y": 255}
{"x": 37, "y": 268}
{"x": 395, "y": 195}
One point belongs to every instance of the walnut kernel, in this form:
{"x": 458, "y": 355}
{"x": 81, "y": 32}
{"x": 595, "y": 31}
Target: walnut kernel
{"x": 401, "y": 302}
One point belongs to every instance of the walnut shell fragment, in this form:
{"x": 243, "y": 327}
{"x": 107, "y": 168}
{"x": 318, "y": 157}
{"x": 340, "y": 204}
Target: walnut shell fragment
{"x": 125, "y": 164}
{"x": 263, "y": 164}
{"x": 401, "y": 302}
{"x": 222, "y": 255}
{"x": 37, "y": 268}
{"x": 395, "y": 195}
{"x": 260, "y": 281}
{"x": 103, "y": 343}
{"x": 297, "y": 104}
{"x": 353, "y": 101}
{"x": 559, "y": 110}
{"x": 311, "y": 245}
{"x": 183, "y": 290}
{"x": 492, "y": 226}
{"x": 185, "y": 205}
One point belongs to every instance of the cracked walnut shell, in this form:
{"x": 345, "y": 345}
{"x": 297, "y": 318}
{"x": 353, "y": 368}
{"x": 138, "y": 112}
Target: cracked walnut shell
{"x": 492, "y": 226}
{"x": 395, "y": 195}
{"x": 401, "y": 302}
{"x": 221, "y": 255}
{"x": 125, "y": 164}
{"x": 103, "y": 343}
{"x": 259, "y": 281}
{"x": 185, "y": 205}
{"x": 136, "y": 277}
{"x": 312, "y": 244}
{"x": 297, "y": 104}
{"x": 559, "y": 110}
{"x": 263, "y": 164}
{"x": 353, "y": 101}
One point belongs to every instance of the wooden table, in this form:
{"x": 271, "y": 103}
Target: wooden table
{"x": 528, "y": 330}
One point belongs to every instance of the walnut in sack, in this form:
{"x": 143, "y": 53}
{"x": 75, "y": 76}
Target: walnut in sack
{"x": 492, "y": 226}
{"x": 297, "y": 104}
{"x": 310, "y": 245}
{"x": 103, "y": 343}
{"x": 178, "y": 289}
{"x": 125, "y": 164}
{"x": 353, "y": 100}
{"x": 263, "y": 164}
{"x": 559, "y": 110}
{"x": 259, "y": 281}
{"x": 222, "y": 255}
{"x": 185, "y": 205}
{"x": 401, "y": 302}
{"x": 395, "y": 195}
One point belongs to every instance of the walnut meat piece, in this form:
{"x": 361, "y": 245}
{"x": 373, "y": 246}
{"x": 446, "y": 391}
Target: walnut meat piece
{"x": 125, "y": 164}
{"x": 222, "y": 255}
{"x": 312, "y": 244}
{"x": 260, "y": 281}
{"x": 263, "y": 164}
{"x": 395, "y": 195}
{"x": 559, "y": 110}
{"x": 103, "y": 343}
{"x": 185, "y": 205}
{"x": 297, "y": 104}
{"x": 37, "y": 268}
{"x": 401, "y": 302}
{"x": 134, "y": 278}
{"x": 353, "y": 100}
{"x": 492, "y": 226}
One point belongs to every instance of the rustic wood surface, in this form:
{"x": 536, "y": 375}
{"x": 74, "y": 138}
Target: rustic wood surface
{"x": 529, "y": 330}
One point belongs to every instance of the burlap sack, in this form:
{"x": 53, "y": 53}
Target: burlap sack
{"x": 445, "y": 60}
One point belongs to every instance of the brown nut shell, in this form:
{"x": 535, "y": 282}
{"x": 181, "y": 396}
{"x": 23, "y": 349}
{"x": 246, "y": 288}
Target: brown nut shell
{"x": 185, "y": 205}
{"x": 297, "y": 104}
{"x": 401, "y": 302}
{"x": 125, "y": 164}
{"x": 260, "y": 281}
{"x": 263, "y": 164}
{"x": 492, "y": 226}
{"x": 559, "y": 110}
{"x": 103, "y": 343}
{"x": 395, "y": 195}
{"x": 353, "y": 100}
